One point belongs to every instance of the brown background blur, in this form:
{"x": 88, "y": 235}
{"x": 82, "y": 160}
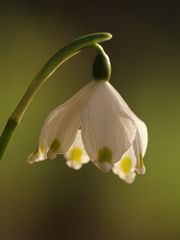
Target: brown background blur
{"x": 50, "y": 201}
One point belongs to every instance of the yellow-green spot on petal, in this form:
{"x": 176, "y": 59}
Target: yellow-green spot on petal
{"x": 36, "y": 151}
{"x": 141, "y": 161}
{"x": 140, "y": 165}
{"x": 55, "y": 145}
{"x": 42, "y": 149}
{"x": 76, "y": 154}
{"x": 126, "y": 164}
{"x": 104, "y": 155}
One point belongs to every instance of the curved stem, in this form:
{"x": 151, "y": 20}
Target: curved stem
{"x": 48, "y": 69}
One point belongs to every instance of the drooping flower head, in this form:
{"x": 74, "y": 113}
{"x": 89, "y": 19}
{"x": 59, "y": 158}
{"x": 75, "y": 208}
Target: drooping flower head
{"x": 95, "y": 125}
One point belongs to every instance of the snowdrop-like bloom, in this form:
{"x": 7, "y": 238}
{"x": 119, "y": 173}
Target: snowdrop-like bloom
{"x": 96, "y": 124}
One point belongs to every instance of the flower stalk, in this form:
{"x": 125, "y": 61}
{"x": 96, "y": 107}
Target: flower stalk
{"x": 74, "y": 47}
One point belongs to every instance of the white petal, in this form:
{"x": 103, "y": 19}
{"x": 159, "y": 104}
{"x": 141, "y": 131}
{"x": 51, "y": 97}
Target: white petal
{"x": 38, "y": 155}
{"x": 137, "y": 146}
{"x": 76, "y": 155}
{"x": 142, "y": 135}
{"x": 108, "y": 129}
{"x": 125, "y": 168}
{"x": 141, "y": 140}
{"x": 142, "y": 129}
{"x": 63, "y": 123}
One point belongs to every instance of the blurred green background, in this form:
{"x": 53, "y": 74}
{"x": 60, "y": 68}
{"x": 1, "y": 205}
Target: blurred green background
{"x": 50, "y": 201}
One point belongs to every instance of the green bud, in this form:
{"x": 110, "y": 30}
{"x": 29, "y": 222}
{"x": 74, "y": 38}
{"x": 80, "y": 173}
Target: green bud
{"x": 102, "y": 65}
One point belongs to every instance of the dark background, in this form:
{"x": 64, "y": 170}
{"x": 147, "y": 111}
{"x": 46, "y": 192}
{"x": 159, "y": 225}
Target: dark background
{"x": 50, "y": 201}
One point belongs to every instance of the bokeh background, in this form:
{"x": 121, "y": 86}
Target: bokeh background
{"x": 50, "y": 201}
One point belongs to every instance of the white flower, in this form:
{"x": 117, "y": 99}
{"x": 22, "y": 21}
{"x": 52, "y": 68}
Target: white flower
{"x": 95, "y": 124}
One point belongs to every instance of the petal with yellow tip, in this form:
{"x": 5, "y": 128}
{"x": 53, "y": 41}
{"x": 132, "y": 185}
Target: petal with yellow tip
{"x": 76, "y": 155}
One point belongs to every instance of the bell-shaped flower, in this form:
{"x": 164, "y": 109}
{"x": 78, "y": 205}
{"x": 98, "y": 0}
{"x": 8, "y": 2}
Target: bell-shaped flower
{"x": 96, "y": 124}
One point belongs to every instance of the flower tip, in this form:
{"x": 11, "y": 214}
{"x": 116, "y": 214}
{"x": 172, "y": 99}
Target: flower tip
{"x": 129, "y": 181}
{"x": 141, "y": 170}
{"x": 31, "y": 159}
{"x": 36, "y": 156}
{"x": 104, "y": 159}
{"x": 73, "y": 165}
{"x": 104, "y": 166}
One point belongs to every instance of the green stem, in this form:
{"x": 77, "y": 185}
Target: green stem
{"x": 48, "y": 69}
